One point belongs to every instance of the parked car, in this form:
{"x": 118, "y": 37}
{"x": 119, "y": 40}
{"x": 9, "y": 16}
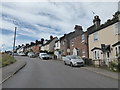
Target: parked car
{"x": 73, "y": 60}
{"x": 31, "y": 55}
{"x": 21, "y": 54}
{"x": 16, "y": 54}
{"x": 44, "y": 56}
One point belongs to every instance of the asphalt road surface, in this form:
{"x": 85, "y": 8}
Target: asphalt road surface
{"x": 54, "y": 74}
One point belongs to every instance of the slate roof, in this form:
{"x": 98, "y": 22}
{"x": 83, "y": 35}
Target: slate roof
{"x": 49, "y": 41}
{"x": 117, "y": 43}
{"x": 109, "y": 22}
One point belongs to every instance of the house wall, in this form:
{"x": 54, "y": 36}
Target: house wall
{"x": 63, "y": 47}
{"x": 105, "y": 36}
{"x": 57, "y": 45}
{"x": 57, "y": 50}
{"x": 79, "y": 45}
{"x": 46, "y": 47}
{"x": 42, "y": 48}
{"x": 52, "y": 44}
{"x": 36, "y": 48}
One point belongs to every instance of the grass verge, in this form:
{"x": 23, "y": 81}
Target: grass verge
{"x": 6, "y": 59}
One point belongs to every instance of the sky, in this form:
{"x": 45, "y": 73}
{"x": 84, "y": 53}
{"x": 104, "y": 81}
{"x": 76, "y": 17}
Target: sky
{"x": 36, "y": 20}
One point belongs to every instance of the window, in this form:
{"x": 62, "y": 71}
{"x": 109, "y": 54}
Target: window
{"x": 72, "y": 42}
{"x": 95, "y": 36}
{"x": 117, "y": 28}
{"x": 83, "y": 53}
{"x": 83, "y": 38}
{"x": 116, "y": 51}
{"x": 57, "y": 44}
{"x": 63, "y": 42}
{"x": 119, "y": 50}
{"x": 96, "y": 54}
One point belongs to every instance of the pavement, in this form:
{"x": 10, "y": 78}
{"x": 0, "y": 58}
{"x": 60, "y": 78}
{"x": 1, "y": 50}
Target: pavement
{"x": 114, "y": 75}
{"x": 12, "y": 69}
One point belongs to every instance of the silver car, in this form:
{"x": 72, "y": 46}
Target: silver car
{"x": 73, "y": 60}
{"x": 31, "y": 55}
{"x": 44, "y": 56}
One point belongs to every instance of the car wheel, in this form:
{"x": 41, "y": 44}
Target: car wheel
{"x": 65, "y": 63}
{"x": 82, "y": 65}
{"x": 71, "y": 64}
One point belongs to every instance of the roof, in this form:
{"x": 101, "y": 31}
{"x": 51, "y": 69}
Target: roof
{"x": 109, "y": 22}
{"x": 117, "y": 43}
{"x": 57, "y": 41}
{"x": 96, "y": 48}
{"x": 49, "y": 41}
{"x": 66, "y": 35}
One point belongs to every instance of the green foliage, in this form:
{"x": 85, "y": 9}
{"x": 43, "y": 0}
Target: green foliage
{"x": 6, "y": 59}
{"x": 115, "y": 65}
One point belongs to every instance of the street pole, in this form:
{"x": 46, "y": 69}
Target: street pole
{"x": 14, "y": 41}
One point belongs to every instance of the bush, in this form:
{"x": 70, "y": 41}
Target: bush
{"x": 115, "y": 65}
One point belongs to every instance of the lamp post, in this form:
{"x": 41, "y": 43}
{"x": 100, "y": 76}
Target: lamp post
{"x": 14, "y": 41}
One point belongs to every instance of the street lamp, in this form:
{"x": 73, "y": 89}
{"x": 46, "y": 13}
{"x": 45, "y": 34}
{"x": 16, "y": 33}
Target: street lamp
{"x": 14, "y": 41}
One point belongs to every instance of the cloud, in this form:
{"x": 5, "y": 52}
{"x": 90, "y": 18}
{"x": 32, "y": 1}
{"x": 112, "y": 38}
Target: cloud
{"x": 35, "y": 20}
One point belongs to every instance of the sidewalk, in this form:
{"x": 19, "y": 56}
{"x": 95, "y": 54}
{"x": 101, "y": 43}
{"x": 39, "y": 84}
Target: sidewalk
{"x": 104, "y": 72}
{"x": 10, "y": 70}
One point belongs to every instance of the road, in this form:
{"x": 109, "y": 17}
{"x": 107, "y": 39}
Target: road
{"x": 54, "y": 74}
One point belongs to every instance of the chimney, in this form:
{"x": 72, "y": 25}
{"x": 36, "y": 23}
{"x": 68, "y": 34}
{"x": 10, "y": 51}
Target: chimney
{"x": 78, "y": 29}
{"x": 22, "y": 44}
{"x": 42, "y": 40}
{"x": 51, "y": 37}
{"x": 96, "y": 21}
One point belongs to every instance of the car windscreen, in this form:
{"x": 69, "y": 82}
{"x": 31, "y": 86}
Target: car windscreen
{"x": 43, "y": 54}
{"x": 75, "y": 57}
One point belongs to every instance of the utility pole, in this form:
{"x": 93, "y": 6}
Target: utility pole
{"x": 14, "y": 41}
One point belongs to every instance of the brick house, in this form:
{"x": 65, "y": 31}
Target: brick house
{"x": 72, "y": 43}
{"x": 37, "y": 46}
{"x": 79, "y": 45}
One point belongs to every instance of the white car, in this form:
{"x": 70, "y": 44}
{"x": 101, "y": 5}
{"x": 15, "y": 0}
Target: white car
{"x": 44, "y": 56}
{"x": 31, "y": 54}
{"x": 21, "y": 54}
{"x": 73, "y": 60}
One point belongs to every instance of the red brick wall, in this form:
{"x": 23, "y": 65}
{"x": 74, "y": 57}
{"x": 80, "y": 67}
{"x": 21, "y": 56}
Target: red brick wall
{"x": 63, "y": 48}
{"x": 79, "y": 45}
{"x": 36, "y": 48}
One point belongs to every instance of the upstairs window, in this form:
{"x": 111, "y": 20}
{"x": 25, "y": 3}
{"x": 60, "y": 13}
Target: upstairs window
{"x": 83, "y": 52}
{"x": 117, "y": 28}
{"x": 83, "y": 38}
{"x": 63, "y": 42}
{"x": 57, "y": 44}
{"x": 95, "y": 36}
{"x": 72, "y": 42}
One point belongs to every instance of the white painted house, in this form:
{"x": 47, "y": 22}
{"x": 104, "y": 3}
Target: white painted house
{"x": 57, "y": 50}
{"x": 49, "y": 45}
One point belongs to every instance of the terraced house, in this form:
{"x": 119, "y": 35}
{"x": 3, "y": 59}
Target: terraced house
{"x": 104, "y": 43}
{"x": 79, "y": 43}
{"x": 49, "y": 44}
{"x": 65, "y": 40}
